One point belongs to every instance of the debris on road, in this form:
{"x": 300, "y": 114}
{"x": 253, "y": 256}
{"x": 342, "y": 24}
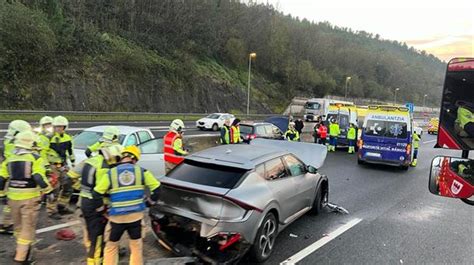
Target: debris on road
{"x": 336, "y": 208}
{"x": 293, "y": 235}
{"x": 65, "y": 234}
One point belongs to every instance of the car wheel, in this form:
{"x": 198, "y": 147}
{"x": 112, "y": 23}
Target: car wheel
{"x": 215, "y": 127}
{"x": 320, "y": 201}
{"x": 360, "y": 162}
{"x": 265, "y": 240}
{"x": 405, "y": 167}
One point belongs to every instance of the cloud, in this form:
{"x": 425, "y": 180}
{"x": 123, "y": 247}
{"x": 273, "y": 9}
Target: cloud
{"x": 446, "y": 47}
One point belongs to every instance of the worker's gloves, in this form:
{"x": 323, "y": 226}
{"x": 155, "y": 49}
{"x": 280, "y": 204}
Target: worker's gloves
{"x": 3, "y": 200}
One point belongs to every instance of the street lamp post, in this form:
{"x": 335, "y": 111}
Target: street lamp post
{"x": 251, "y": 55}
{"x": 347, "y": 81}
{"x": 395, "y": 96}
{"x": 424, "y": 100}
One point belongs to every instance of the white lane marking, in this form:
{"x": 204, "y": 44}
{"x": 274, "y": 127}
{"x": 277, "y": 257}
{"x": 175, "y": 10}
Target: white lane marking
{"x": 56, "y": 227}
{"x": 430, "y": 141}
{"x": 318, "y": 244}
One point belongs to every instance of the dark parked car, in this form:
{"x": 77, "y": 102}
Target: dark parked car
{"x": 265, "y": 130}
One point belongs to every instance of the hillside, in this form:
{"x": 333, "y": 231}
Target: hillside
{"x": 191, "y": 56}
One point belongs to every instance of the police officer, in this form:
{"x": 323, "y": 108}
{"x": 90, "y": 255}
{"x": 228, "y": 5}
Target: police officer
{"x": 109, "y": 136}
{"x": 15, "y": 127}
{"x": 225, "y": 133}
{"x": 26, "y": 177}
{"x": 126, "y": 185}
{"x": 416, "y": 145}
{"x": 173, "y": 149}
{"x": 351, "y": 137}
{"x": 62, "y": 148}
{"x": 88, "y": 173}
{"x": 292, "y": 134}
{"x": 334, "y": 133}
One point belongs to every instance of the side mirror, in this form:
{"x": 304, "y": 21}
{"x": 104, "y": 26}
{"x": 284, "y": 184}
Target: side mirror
{"x": 452, "y": 177}
{"x": 311, "y": 169}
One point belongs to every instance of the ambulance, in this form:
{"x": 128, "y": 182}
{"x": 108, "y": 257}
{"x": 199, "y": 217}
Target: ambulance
{"x": 386, "y": 137}
{"x": 344, "y": 114}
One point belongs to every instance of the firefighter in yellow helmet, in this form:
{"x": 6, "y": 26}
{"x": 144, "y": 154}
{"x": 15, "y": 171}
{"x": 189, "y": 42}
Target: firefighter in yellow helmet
{"x": 24, "y": 172}
{"x": 15, "y": 127}
{"x": 86, "y": 175}
{"x": 61, "y": 150}
{"x": 126, "y": 184}
{"x": 109, "y": 136}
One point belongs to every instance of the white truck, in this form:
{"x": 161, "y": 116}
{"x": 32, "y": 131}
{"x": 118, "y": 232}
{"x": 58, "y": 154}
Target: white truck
{"x": 315, "y": 107}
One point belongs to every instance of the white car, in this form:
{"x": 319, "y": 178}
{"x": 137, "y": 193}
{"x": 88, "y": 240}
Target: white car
{"x": 152, "y": 157}
{"x": 214, "y": 121}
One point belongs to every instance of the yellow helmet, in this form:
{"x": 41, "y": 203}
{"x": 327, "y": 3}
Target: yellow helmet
{"x": 132, "y": 150}
{"x": 25, "y": 139}
{"x": 111, "y": 133}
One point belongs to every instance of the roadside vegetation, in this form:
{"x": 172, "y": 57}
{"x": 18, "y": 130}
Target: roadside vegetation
{"x": 192, "y": 56}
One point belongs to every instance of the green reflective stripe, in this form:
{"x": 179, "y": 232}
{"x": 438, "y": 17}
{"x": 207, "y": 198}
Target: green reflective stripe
{"x": 138, "y": 176}
{"x": 127, "y": 203}
{"x": 130, "y": 188}
{"x": 114, "y": 179}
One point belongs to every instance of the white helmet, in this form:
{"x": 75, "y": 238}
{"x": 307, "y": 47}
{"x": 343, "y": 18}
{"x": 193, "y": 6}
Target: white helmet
{"x": 46, "y": 120}
{"x": 16, "y": 127}
{"x": 177, "y": 125}
{"x": 111, "y": 133}
{"x": 112, "y": 153}
{"x": 60, "y": 121}
{"x": 25, "y": 139}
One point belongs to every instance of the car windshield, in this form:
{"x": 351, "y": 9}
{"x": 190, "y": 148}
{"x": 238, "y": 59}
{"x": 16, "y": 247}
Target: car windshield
{"x": 86, "y": 138}
{"x": 213, "y": 116}
{"x": 207, "y": 174}
{"x": 386, "y": 129}
{"x": 246, "y": 129}
{"x": 313, "y": 105}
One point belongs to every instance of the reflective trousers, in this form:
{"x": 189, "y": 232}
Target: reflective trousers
{"x": 62, "y": 192}
{"x": 112, "y": 247}
{"x": 95, "y": 223}
{"x": 25, "y": 216}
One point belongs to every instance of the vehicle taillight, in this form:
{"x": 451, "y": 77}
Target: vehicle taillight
{"x": 360, "y": 143}
{"x": 253, "y": 136}
{"x": 408, "y": 149}
{"x": 227, "y": 239}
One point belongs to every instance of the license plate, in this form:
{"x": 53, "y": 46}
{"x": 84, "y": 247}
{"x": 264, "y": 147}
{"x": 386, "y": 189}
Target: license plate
{"x": 373, "y": 154}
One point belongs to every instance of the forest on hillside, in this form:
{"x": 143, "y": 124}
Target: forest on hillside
{"x": 192, "y": 56}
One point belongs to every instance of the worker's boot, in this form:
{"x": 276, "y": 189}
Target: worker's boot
{"x": 413, "y": 164}
{"x": 136, "y": 251}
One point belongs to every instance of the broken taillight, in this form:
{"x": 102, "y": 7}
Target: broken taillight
{"x": 227, "y": 239}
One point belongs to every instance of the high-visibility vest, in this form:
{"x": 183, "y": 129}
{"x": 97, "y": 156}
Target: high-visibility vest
{"x": 416, "y": 140}
{"x": 62, "y": 145}
{"x": 127, "y": 189}
{"x": 9, "y": 146}
{"x": 334, "y": 130}
{"x": 169, "y": 150}
{"x": 43, "y": 144}
{"x": 323, "y": 132}
{"x": 351, "y": 133}
{"x": 235, "y": 134}
{"x": 89, "y": 174}
{"x": 26, "y": 176}
{"x": 225, "y": 139}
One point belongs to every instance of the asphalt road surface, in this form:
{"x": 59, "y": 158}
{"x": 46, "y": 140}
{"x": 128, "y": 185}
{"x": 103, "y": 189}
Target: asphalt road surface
{"x": 393, "y": 219}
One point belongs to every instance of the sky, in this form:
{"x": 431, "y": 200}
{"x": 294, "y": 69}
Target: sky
{"x": 442, "y": 28}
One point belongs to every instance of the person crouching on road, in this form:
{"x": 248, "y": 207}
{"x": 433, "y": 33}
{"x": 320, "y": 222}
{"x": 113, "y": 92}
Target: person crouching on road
{"x": 292, "y": 134}
{"x": 15, "y": 127}
{"x": 235, "y": 132}
{"x": 173, "y": 149}
{"x": 351, "y": 138}
{"x": 86, "y": 175}
{"x": 126, "y": 185}
{"x": 225, "y": 133}
{"x": 334, "y": 133}
{"x": 25, "y": 173}
{"x": 109, "y": 136}
{"x": 416, "y": 145}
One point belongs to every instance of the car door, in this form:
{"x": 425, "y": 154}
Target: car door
{"x": 143, "y": 136}
{"x": 305, "y": 183}
{"x": 282, "y": 186}
{"x": 152, "y": 157}
{"x": 260, "y": 131}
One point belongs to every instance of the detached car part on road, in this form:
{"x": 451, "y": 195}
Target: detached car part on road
{"x": 225, "y": 201}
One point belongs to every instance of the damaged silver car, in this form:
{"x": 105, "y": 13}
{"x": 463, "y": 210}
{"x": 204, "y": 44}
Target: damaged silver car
{"x": 226, "y": 201}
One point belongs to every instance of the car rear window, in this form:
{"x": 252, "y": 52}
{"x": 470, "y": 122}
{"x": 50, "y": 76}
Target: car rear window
{"x": 246, "y": 129}
{"x": 207, "y": 174}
